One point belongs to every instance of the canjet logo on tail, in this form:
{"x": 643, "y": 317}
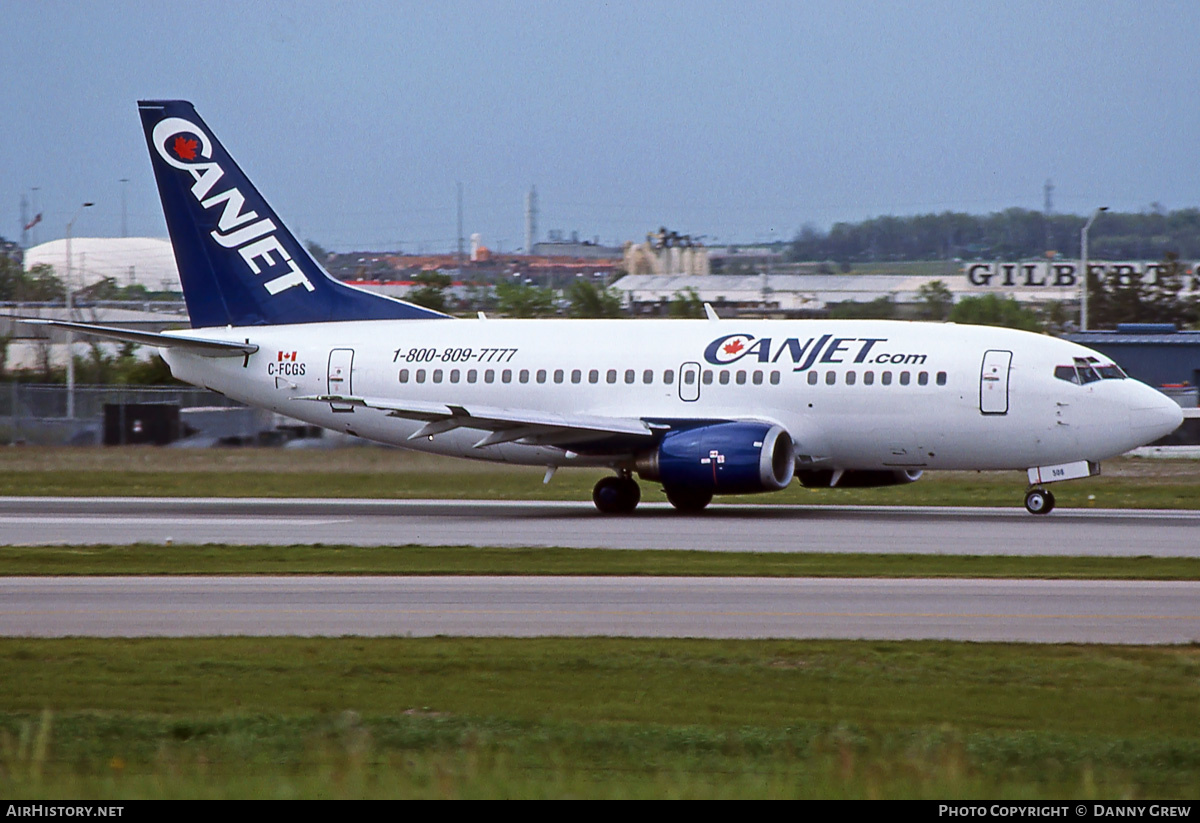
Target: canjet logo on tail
{"x": 185, "y": 146}
{"x": 802, "y": 355}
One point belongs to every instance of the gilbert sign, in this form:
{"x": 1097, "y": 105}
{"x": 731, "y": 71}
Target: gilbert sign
{"x": 1064, "y": 274}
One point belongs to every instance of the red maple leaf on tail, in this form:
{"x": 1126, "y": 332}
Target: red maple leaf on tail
{"x": 185, "y": 148}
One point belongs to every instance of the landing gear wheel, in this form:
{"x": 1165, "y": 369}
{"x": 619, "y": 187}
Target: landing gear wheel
{"x": 616, "y": 495}
{"x": 1039, "y": 501}
{"x": 688, "y": 500}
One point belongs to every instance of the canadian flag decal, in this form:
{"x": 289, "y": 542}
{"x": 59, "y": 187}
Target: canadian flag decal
{"x": 289, "y": 356}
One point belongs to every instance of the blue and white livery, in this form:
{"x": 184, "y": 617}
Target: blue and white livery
{"x": 703, "y": 407}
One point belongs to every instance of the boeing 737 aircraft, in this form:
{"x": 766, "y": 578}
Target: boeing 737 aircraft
{"x": 703, "y": 407}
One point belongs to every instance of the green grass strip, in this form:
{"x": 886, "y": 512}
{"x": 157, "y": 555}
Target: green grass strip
{"x": 594, "y": 717}
{"x": 424, "y": 560}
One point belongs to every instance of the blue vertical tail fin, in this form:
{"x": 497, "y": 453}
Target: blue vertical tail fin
{"x": 239, "y": 265}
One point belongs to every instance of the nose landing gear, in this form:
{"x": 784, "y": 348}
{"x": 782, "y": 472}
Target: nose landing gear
{"x": 1039, "y": 501}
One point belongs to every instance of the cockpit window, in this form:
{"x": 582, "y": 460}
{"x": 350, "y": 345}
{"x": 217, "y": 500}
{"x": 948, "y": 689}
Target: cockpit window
{"x": 1067, "y": 373}
{"x": 1089, "y": 370}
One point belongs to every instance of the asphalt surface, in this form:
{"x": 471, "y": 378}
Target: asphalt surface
{"x": 769, "y": 528}
{"x": 976, "y": 610}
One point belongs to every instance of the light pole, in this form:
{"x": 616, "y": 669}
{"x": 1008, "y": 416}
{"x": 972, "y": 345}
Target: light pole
{"x": 70, "y": 312}
{"x": 1083, "y": 264}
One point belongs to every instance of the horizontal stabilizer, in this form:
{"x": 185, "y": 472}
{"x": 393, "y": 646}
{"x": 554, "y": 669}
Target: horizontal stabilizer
{"x": 204, "y": 348}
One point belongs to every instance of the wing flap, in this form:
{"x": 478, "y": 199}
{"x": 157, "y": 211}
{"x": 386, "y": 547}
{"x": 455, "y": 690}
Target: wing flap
{"x": 504, "y": 425}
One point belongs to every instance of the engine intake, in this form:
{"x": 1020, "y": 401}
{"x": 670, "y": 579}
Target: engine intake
{"x": 722, "y": 458}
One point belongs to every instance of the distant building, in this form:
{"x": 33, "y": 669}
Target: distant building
{"x": 129, "y": 261}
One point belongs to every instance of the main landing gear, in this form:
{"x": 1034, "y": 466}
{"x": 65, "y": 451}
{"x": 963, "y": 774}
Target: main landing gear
{"x": 1039, "y": 501}
{"x": 621, "y": 494}
{"x": 617, "y": 495}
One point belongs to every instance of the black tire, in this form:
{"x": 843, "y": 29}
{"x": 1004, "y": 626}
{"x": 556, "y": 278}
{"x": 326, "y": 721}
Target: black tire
{"x": 688, "y": 501}
{"x": 616, "y": 495}
{"x": 1039, "y": 501}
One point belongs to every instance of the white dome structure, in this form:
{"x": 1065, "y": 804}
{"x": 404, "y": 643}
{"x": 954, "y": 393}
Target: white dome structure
{"x": 129, "y": 261}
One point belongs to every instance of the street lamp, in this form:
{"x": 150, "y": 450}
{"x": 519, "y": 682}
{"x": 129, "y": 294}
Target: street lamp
{"x": 70, "y": 311}
{"x": 1083, "y": 264}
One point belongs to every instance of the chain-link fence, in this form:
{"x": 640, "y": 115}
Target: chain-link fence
{"x": 37, "y": 413}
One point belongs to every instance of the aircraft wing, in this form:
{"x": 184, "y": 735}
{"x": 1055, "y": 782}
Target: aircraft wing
{"x": 204, "y": 348}
{"x": 504, "y": 425}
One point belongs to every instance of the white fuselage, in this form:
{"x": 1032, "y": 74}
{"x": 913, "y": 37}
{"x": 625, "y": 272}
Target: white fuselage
{"x": 852, "y": 394}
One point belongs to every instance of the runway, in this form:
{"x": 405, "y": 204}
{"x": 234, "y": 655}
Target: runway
{"x": 764, "y": 528}
{"x": 975, "y": 610}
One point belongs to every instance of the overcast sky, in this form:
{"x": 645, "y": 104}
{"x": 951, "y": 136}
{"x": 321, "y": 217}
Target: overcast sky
{"x": 740, "y": 121}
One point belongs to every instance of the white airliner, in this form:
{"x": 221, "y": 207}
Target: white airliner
{"x": 703, "y": 407}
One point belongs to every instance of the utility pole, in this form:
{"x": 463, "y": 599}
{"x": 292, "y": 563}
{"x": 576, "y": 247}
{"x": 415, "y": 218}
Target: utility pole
{"x": 70, "y": 317}
{"x": 1083, "y": 264}
{"x": 124, "y": 224}
{"x": 460, "y": 227}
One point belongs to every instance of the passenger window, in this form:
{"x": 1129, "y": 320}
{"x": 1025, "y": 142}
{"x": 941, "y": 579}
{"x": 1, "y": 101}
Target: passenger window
{"x": 611, "y": 376}
{"x": 812, "y": 378}
{"x": 472, "y": 375}
{"x": 741, "y": 377}
{"x": 923, "y": 378}
{"x": 506, "y": 376}
{"x": 629, "y": 376}
{"x": 868, "y": 378}
{"x": 404, "y": 375}
{"x": 437, "y": 375}
{"x": 454, "y": 375}
{"x": 886, "y": 378}
{"x": 850, "y": 378}
{"x": 941, "y": 378}
{"x": 576, "y": 376}
{"x": 558, "y": 375}
{"x": 904, "y": 378}
{"x": 594, "y": 376}
{"x": 669, "y": 376}
{"x": 648, "y": 376}
{"x": 774, "y": 378}
{"x": 724, "y": 378}
{"x": 523, "y": 375}
{"x": 707, "y": 377}
{"x": 689, "y": 377}
{"x": 420, "y": 375}
{"x": 757, "y": 377}
{"x": 541, "y": 375}
{"x": 830, "y": 378}
{"x": 489, "y": 376}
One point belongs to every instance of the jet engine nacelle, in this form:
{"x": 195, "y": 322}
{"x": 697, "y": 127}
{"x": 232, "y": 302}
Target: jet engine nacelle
{"x": 858, "y": 478}
{"x": 722, "y": 458}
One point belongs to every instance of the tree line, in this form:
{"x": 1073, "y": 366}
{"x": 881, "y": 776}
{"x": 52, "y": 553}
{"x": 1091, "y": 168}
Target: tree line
{"x": 1010, "y": 234}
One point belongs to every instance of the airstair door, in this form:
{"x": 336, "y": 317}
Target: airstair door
{"x": 993, "y": 382}
{"x": 341, "y": 369}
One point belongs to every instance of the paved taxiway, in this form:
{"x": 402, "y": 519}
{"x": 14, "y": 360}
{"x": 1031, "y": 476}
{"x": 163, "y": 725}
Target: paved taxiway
{"x": 979, "y": 610}
{"x": 772, "y": 528}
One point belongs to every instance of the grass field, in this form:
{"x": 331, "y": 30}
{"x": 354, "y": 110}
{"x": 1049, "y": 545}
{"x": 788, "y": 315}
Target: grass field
{"x": 451, "y": 560}
{"x": 393, "y": 473}
{"x": 593, "y": 717}
{"x": 354, "y": 717}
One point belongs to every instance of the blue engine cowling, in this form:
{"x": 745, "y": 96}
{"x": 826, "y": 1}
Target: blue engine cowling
{"x": 722, "y": 458}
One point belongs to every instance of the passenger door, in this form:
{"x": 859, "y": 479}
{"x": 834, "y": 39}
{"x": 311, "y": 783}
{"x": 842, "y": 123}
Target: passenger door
{"x": 993, "y": 382}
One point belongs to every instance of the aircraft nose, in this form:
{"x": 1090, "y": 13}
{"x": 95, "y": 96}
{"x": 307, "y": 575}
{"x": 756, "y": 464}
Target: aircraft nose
{"x": 1153, "y": 415}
